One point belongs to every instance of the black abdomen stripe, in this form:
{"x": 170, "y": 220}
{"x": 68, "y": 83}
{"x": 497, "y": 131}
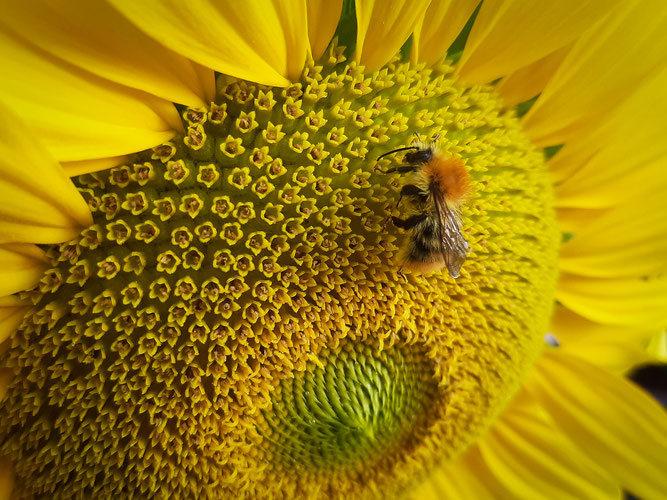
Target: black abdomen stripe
{"x": 425, "y": 243}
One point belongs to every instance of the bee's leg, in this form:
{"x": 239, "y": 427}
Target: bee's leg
{"x": 404, "y": 169}
{"x": 407, "y": 190}
{"x": 414, "y": 191}
{"x": 410, "y": 222}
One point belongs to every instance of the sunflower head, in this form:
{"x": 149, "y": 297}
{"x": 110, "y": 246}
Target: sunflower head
{"x": 237, "y": 302}
{"x": 238, "y": 293}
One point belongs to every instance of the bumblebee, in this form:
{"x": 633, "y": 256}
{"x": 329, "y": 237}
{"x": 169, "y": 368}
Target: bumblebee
{"x": 439, "y": 185}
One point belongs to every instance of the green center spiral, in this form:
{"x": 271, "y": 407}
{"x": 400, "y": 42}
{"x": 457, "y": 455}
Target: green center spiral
{"x": 357, "y": 407}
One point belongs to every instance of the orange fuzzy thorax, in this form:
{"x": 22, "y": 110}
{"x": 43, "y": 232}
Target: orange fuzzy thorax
{"x": 451, "y": 175}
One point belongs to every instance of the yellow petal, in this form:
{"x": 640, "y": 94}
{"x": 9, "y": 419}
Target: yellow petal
{"x": 612, "y": 357}
{"x": 114, "y": 48}
{"x": 508, "y": 35}
{"x": 6, "y": 376}
{"x": 634, "y": 302}
{"x": 657, "y": 346}
{"x": 12, "y": 310}
{"x": 623, "y": 156}
{"x": 383, "y": 26}
{"x": 6, "y": 479}
{"x": 634, "y": 180}
{"x": 615, "y": 348}
{"x": 74, "y": 168}
{"x": 293, "y": 22}
{"x": 604, "y": 66}
{"x": 574, "y": 220}
{"x": 264, "y": 41}
{"x": 570, "y": 328}
{"x": 570, "y": 158}
{"x": 627, "y": 240}
{"x": 588, "y": 156}
{"x": 533, "y": 461}
{"x": 21, "y": 267}
{"x": 441, "y": 24}
{"x": 38, "y": 202}
{"x": 464, "y": 479}
{"x": 77, "y": 115}
{"x": 206, "y": 82}
{"x": 323, "y": 16}
{"x": 525, "y": 83}
{"x": 435, "y": 487}
{"x": 615, "y": 423}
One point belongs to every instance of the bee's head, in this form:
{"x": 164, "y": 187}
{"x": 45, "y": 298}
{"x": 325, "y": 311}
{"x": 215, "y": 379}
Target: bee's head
{"x": 420, "y": 156}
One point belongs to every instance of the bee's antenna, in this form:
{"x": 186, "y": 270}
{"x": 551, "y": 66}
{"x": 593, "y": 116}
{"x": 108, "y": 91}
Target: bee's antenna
{"x": 396, "y": 151}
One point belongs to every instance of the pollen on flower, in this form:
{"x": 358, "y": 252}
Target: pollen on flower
{"x": 233, "y": 324}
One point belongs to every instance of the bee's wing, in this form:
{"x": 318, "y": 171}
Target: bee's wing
{"x": 454, "y": 246}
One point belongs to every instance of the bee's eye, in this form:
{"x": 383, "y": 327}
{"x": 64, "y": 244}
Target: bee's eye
{"x": 418, "y": 157}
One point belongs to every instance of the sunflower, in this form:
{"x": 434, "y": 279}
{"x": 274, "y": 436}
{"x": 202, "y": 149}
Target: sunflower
{"x": 205, "y": 291}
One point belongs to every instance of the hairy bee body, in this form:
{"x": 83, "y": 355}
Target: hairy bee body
{"x": 423, "y": 253}
{"x": 438, "y": 186}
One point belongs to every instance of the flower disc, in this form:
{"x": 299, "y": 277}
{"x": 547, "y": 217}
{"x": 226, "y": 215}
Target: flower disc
{"x": 234, "y": 324}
